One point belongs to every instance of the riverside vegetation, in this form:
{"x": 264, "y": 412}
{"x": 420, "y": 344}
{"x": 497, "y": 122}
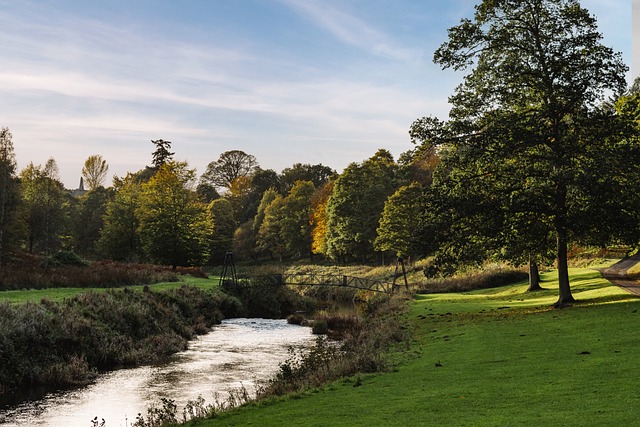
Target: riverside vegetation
{"x": 67, "y": 339}
{"x": 499, "y": 356}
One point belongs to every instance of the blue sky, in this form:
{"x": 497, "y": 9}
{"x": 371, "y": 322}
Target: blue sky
{"x": 311, "y": 81}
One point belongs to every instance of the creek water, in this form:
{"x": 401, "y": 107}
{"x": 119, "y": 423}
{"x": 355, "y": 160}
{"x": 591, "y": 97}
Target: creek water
{"x": 236, "y": 354}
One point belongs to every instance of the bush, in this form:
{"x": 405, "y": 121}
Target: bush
{"x": 65, "y": 258}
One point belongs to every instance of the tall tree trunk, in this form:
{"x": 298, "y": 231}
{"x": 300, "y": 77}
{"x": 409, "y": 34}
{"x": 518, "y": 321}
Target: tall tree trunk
{"x": 534, "y": 275}
{"x": 565, "y": 298}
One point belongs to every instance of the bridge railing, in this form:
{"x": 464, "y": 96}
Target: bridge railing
{"x": 313, "y": 279}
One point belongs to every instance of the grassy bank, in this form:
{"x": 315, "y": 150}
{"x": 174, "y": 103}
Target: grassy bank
{"x": 60, "y": 294}
{"x": 492, "y": 357}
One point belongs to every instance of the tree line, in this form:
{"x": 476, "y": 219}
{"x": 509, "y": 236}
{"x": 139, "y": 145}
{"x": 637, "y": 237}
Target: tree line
{"x": 540, "y": 151}
{"x": 164, "y": 214}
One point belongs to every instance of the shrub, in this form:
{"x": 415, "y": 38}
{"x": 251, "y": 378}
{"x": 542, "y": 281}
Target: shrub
{"x": 65, "y": 258}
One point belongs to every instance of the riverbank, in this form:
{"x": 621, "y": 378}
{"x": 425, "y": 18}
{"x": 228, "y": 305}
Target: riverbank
{"x": 493, "y": 357}
{"x": 61, "y": 344}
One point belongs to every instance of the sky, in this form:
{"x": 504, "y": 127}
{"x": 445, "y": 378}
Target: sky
{"x": 288, "y": 81}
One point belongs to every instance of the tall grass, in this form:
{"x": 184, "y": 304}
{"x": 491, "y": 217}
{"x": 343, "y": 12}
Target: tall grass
{"x": 61, "y": 344}
{"x": 362, "y": 349}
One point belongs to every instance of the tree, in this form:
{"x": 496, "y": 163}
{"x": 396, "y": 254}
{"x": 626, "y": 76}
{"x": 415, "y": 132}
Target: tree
{"x": 119, "y": 239}
{"x": 355, "y": 206}
{"x": 399, "y": 222}
{"x": 229, "y": 166}
{"x": 296, "y": 219}
{"x": 270, "y": 238}
{"x": 317, "y": 174}
{"x": 537, "y": 66}
{"x": 89, "y": 220}
{"x": 95, "y": 171}
{"x": 175, "y": 227}
{"x": 162, "y": 154}
{"x": 319, "y": 218}
{"x": 8, "y": 187}
{"x": 224, "y": 226}
{"x": 42, "y": 207}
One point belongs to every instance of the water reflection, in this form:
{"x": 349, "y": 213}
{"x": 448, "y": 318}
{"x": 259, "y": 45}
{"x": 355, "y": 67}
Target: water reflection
{"x": 235, "y": 354}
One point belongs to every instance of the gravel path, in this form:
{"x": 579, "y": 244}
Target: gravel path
{"x": 617, "y": 274}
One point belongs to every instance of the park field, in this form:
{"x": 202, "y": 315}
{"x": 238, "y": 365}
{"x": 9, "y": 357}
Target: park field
{"x": 489, "y": 358}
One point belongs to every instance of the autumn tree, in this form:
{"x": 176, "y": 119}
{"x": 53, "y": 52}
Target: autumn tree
{"x": 95, "y": 171}
{"x": 174, "y": 225}
{"x": 319, "y": 218}
{"x": 536, "y": 66}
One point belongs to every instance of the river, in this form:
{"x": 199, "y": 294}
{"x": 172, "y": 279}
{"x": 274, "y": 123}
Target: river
{"x": 235, "y": 354}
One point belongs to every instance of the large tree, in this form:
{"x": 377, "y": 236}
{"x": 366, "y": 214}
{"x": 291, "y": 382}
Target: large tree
{"x": 175, "y": 227}
{"x": 355, "y": 206}
{"x": 540, "y": 66}
{"x": 230, "y": 166}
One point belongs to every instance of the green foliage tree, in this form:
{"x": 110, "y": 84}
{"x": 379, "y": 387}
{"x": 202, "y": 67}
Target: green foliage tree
{"x": 95, "y": 171}
{"x": 296, "y": 219}
{"x": 317, "y": 174}
{"x": 8, "y": 188}
{"x": 119, "y": 239}
{"x": 355, "y": 206}
{"x": 162, "y": 154}
{"x": 175, "y": 227}
{"x": 261, "y": 180}
{"x": 270, "y": 238}
{"x": 42, "y": 208}
{"x": 89, "y": 220}
{"x": 529, "y": 104}
{"x": 224, "y": 226}
{"x": 399, "y": 223}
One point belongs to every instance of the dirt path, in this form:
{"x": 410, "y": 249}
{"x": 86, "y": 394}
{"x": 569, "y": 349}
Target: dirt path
{"x": 617, "y": 274}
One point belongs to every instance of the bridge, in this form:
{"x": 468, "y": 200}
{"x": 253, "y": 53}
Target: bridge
{"x": 314, "y": 279}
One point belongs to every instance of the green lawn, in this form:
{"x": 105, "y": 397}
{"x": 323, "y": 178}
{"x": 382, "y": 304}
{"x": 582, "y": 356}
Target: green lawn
{"x": 59, "y": 294}
{"x": 493, "y": 357}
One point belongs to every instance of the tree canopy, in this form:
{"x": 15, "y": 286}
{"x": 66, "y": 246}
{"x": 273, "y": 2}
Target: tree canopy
{"x": 529, "y": 121}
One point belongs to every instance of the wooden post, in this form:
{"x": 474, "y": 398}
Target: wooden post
{"x": 399, "y": 262}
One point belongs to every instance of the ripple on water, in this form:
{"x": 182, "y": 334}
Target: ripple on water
{"x": 236, "y": 353}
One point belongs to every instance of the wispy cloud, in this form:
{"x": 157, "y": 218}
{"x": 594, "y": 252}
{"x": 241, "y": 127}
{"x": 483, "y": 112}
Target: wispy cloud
{"x": 350, "y": 29}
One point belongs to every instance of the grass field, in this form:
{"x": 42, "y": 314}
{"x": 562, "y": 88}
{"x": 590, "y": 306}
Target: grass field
{"x": 490, "y": 358}
{"x": 59, "y": 294}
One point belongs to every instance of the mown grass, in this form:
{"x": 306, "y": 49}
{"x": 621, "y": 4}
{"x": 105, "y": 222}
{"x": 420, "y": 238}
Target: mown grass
{"x": 491, "y": 357}
{"x": 60, "y": 294}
